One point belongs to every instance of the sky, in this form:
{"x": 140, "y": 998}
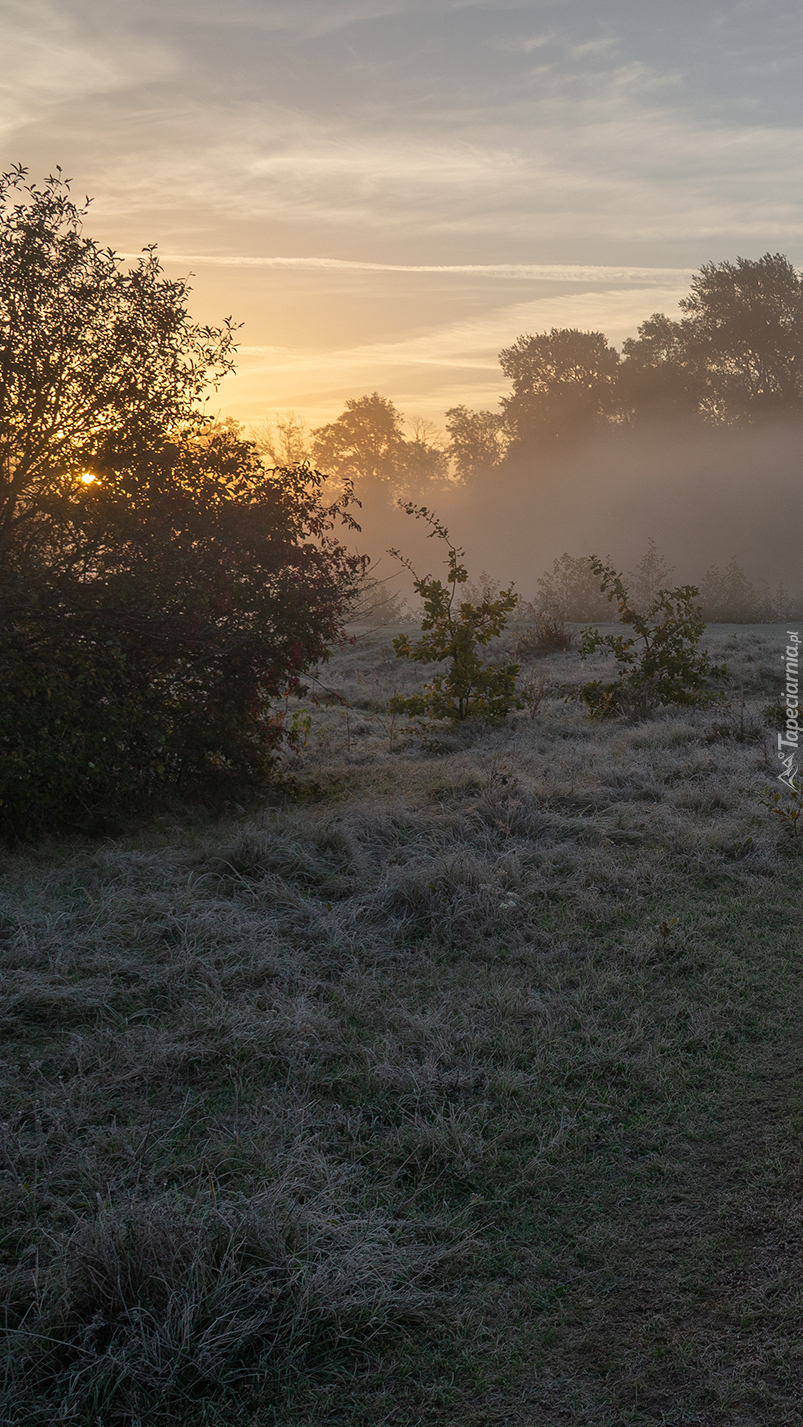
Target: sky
{"x": 387, "y": 192}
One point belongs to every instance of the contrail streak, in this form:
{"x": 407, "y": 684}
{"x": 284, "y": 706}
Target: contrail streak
{"x": 539, "y": 272}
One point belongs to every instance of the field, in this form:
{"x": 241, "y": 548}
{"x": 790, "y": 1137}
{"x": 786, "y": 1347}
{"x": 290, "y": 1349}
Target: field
{"x": 459, "y": 1085}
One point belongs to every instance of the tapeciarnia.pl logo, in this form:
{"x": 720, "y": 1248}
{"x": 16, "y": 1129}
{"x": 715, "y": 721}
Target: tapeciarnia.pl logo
{"x": 789, "y": 740}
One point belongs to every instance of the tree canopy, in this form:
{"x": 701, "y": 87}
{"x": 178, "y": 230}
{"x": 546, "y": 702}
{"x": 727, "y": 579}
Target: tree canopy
{"x": 744, "y": 324}
{"x": 564, "y": 385}
{"x": 364, "y": 442}
{"x": 733, "y": 356}
{"x": 476, "y": 440}
{"x": 736, "y": 356}
{"x": 97, "y": 361}
{"x": 159, "y": 587}
{"x": 367, "y": 446}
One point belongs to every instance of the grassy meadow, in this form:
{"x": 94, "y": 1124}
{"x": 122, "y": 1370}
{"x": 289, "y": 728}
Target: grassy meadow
{"x": 461, "y": 1085}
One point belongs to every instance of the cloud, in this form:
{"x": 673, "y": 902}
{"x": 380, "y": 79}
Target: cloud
{"x": 400, "y": 144}
{"x": 539, "y": 272}
{"x": 476, "y": 341}
{"x": 580, "y": 181}
{"x": 434, "y": 367}
{"x": 308, "y": 19}
{"x": 593, "y": 47}
{"x": 468, "y": 142}
{"x": 526, "y": 44}
{"x": 56, "y": 63}
{"x": 575, "y": 160}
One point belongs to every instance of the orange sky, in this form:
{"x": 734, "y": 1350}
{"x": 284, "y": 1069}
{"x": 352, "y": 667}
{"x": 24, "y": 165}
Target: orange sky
{"x": 386, "y": 192}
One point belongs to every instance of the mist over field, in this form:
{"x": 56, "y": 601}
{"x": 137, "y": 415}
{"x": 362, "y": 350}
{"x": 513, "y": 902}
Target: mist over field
{"x": 400, "y": 977}
{"x": 705, "y": 496}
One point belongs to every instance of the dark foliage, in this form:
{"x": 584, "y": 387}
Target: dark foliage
{"x": 366, "y": 447}
{"x": 456, "y": 630}
{"x": 564, "y": 386}
{"x": 547, "y": 634}
{"x": 476, "y": 440}
{"x": 662, "y": 376}
{"x": 158, "y": 587}
{"x": 735, "y": 356}
{"x": 661, "y": 664}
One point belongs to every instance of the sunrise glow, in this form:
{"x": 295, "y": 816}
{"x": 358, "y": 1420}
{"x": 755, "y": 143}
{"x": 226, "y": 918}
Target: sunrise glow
{"x": 446, "y": 177}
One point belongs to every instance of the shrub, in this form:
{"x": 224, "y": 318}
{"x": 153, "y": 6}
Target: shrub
{"x": 729, "y": 597}
{"x": 570, "y": 591}
{"x": 662, "y": 664}
{"x": 456, "y": 632}
{"x": 157, "y": 668}
{"x": 158, "y": 586}
{"x": 787, "y": 806}
{"x": 546, "y": 635}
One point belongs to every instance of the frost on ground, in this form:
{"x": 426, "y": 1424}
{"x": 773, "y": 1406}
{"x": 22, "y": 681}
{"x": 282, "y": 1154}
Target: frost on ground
{"x": 385, "y": 1103}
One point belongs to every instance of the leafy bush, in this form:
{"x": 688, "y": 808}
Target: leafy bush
{"x": 570, "y": 591}
{"x": 158, "y": 586}
{"x": 729, "y": 597}
{"x": 217, "y": 586}
{"x": 662, "y": 664}
{"x": 455, "y": 632}
{"x": 788, "y": 807}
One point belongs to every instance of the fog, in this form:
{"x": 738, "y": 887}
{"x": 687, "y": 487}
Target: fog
{"x": 705, "y": 496}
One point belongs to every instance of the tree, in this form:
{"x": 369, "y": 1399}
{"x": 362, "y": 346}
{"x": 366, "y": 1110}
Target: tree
{"x": 662, "y": 376}
{"x": 422, "y": 462}
{"x": 729, "y": 597}
{"x": 456, "y": 631}
{"x": 476, "y": 440}
{"x": 364, "y": 443}
{"x": 97, "y": 361}
{"x": 158, "y": 587}
{"x": 735, "y": 356}
{"x": 564, "y": 387}
{"x": 367, "y": 446}
{"x": 570, "y": 590}
{"x": 746, "y": 323}
{"x": 649, "y": 576}
{"x": 283, "y": 441}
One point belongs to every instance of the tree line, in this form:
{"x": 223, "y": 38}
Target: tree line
{"x": 165, "y": 581}
{"x": 734, "y": 357}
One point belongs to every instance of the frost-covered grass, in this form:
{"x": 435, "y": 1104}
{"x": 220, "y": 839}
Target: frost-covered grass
{"x": 460, "y": 1089}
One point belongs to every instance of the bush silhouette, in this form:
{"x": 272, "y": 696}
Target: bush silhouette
{"x": 159, "y": 587}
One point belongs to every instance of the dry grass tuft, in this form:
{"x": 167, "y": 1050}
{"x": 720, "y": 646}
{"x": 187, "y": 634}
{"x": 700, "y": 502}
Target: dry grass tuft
{"x": 148, "y": 1306}
{"x": 547, "y": 634}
